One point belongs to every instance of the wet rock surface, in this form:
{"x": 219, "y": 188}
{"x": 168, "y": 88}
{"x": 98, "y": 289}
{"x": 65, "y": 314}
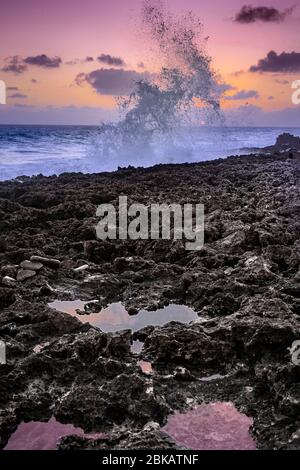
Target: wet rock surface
{"x": 243, "y": 284}
{"x": 285, "y": 143}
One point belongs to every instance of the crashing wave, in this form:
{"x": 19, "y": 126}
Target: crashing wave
{"x": 183, "y": 93}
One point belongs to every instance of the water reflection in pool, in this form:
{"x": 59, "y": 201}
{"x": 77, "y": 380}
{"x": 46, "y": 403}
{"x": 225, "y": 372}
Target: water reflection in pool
{"x": 137, "y": 346}
{"x": 115, "y": 317}
{"x": 213, "y": 426}
{"x": 36, "y": 435}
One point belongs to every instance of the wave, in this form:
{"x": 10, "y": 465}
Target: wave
{"x": 183, "y": 93}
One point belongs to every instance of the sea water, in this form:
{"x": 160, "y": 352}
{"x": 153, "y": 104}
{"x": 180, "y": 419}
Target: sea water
{"x": 32, "y": 150}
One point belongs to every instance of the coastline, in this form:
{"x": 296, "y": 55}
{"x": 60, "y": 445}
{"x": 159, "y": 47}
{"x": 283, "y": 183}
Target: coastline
{"x": 47, "y": 150}
{"x": 242, "y": 284}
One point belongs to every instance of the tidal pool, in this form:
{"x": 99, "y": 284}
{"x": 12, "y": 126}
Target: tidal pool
{"x": 115, "y": 317}
{"x": 213, "y": 426}
{"x": 146, "y": 367}
{"x": 36, "y": 435}
{"x": 137, "y": 346}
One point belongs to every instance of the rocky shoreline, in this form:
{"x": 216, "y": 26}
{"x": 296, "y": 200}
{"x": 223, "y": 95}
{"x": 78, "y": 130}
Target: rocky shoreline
{"x": 244, "y": 286}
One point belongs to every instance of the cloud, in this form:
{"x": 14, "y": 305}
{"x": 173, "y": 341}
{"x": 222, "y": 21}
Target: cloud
{"x": 270, "y": 98}
{"x": 221, "y": 88}
{"x": 14, "y": 64}
{"x": 249, "y": 14}
{"x": 89, "y": 59}
{"x": 286, "y": 62}
{"x": 237, "y": 73}
{"x": 18, "y": 95}
{"x": 111, "y": 60}
{"x": 12, "y": 88}
{"x": 243, "y": 95}
{"x": 43, "y": 60}
{"x": 18, "y": 65}
{"x": 73, "y": 62}
{"x": 33, "y": 80}
{"x": 111, "y": 81}
{"x": 141, "y": 65}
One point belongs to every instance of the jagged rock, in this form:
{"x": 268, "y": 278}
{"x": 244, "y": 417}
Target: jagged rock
{"x": 24, "y": 274}
{"x": 285, "y": 142}
{"x": 9, "y": 270}
{"x": 125, "y": 397}
{"x": 243, "y": 284}
{"x": 46, "y": 290}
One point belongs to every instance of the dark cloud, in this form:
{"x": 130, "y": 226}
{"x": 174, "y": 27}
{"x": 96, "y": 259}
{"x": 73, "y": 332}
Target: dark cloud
{"x": 270, "y": 98}
{"x": 221, "y": 88}
{"x": 249, "y": 14}
{"x": 286, "y": 62}
{"x": 33, "y": 80}
{"x": 43, "y": 60}
{"x": 18, "y": 95}
{"x": 14, "y": 64}
{"x": 111, "y": 81}
{"x": 18, "y": 65}
{"x": 12, "y": 88}
{"x": 80, "y": 79}
{"x": 111, "y": 60}
{"x": 80, "y": 61}
{"x": 141, "y": 65}
{"x": 243, "y": 95}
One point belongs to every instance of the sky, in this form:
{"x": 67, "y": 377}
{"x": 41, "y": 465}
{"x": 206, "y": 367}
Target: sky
{"x": 65, "y": 61}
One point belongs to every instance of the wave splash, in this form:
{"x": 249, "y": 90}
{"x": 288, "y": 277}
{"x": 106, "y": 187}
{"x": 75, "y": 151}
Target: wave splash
{"x": 183, "y": 93}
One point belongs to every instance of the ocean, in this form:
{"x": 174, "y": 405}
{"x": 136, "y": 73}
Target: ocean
{"x": 48, "y": 150}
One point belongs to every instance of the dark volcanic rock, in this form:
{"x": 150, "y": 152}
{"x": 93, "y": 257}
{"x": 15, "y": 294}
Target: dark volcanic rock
{"x": 133, "y": 440}
{"x": 244, "y": 285}
{"x": 285, "y": 142}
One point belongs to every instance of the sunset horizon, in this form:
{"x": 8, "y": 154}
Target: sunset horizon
{"x": 66, "y": 62}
